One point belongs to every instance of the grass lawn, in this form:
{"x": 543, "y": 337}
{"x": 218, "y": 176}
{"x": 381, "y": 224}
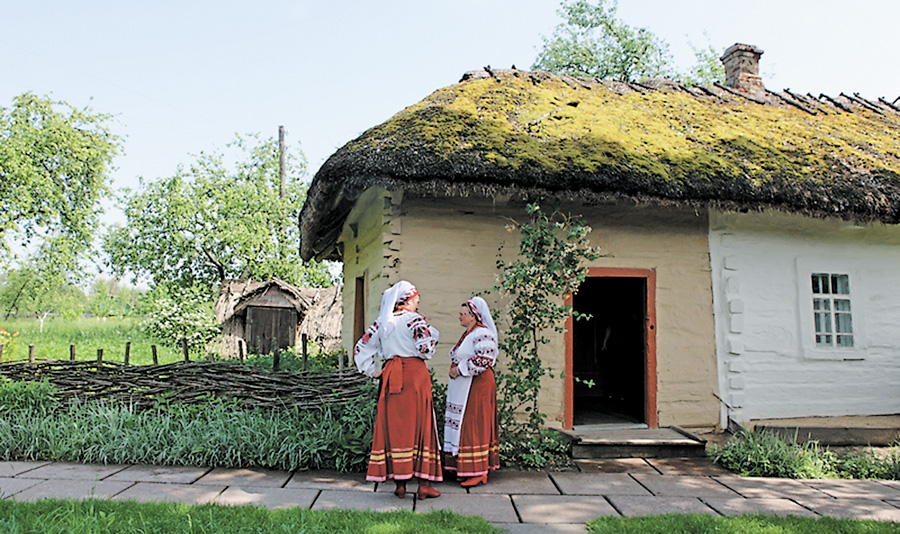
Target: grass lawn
{"x": 87, "y": 335}
{"x": 747, "y": 524}
{"x": 54, "y": 516}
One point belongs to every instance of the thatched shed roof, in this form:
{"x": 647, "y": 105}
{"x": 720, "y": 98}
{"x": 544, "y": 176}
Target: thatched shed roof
{"x": 537, "y": 133}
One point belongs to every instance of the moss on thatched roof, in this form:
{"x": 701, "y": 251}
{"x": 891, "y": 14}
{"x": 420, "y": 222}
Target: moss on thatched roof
{"x": 537, "y": 133}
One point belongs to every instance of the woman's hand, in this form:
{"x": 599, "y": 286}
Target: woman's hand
{"x": 454, "y": 370}
{"x": 378, "y": 374}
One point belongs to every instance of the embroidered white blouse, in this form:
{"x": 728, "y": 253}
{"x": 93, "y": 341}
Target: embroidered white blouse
{"x": 412, "y": 337}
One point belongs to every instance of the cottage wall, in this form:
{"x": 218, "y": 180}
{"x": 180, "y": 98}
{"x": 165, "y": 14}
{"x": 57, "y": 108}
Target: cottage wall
{"x": 448, "y": 249}
{"x": 769, "y": 364}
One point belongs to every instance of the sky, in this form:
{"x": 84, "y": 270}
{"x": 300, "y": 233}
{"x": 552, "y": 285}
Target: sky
{"x": 181, "y": 77}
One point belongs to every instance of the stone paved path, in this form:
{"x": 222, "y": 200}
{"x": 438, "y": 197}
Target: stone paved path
{"x": 519, "y": 502}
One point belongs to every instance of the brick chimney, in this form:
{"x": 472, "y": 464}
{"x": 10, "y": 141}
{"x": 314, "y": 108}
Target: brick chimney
{"x": 742, "y": 69}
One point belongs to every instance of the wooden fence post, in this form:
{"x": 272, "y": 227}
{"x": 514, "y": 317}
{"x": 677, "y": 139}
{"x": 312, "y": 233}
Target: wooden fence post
{"x": 30, "y": 353}
{"x": 242, "y": 350}
{"x": 276, "y": 360}
{"x": 153, "y": 351}
{"x": 99, "y": 355}
{"x": 184, "y": 348}
{"x": 72, "y": 352}
{"x": 127, "y": 352}
{"x": 303, "y": 340}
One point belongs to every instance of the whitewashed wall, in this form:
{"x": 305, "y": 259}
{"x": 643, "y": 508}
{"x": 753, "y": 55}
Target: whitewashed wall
{"x": 768, "y": 364}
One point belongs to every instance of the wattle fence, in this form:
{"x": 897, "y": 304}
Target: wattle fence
{"x": 190, "y": 382}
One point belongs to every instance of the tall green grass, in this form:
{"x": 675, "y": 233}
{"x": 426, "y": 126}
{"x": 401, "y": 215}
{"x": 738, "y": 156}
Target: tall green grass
{"x": 87, "y": 335}
{"x": 55, "y": 516}
{"x": 218, "y": 434}
{"x": 745, "y": 524}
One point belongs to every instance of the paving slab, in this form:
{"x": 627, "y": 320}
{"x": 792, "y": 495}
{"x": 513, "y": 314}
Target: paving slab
{"x": 853, "y": 509}
{"x": 855, "y": 489}
{"x": 251, "y": 477}
{"x": 12, "y": 486}
{"x": 630, "y": 506}
{"x": 766, "y": 487}
{"x": 683, "y": 486}
{"x": 732, "y": 506}
{"x": 160, "y": 474}
{"x": 73, "y": 471}
{"x": 361, "y": 500}
{"x": 616, "y": 465}
{"x": 890, "y": 483}
{"x": 541, "y": 528}
{"x": 517, "y": 482}
{"x": 330, "y": 480}
{"x": 72, "y": 489}
{"x": 561, "y": 508}
{"x": 155, "y": 492}
{"x": 267, "y": 497}
{"x": 448, "y": 488}
{"x": 687, "y": 466}
{"x": 494, "y": 508}
{"x": 11, "y": 469}
{"x": 598, "y": 484}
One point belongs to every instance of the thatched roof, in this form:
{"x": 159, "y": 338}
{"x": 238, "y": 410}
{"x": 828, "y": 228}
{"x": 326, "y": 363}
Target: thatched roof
{"x": 536, "y": 133}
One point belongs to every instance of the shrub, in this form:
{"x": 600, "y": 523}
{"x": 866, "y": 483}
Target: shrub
{"x": 866, "y": 464}
{"x": 765, "y": 454}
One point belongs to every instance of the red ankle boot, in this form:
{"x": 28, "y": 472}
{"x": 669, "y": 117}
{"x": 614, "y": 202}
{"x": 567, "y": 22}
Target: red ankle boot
{"x": 400, "y": 490}
{"x": 426, "y": 490}
{"x": 474, "y": 481}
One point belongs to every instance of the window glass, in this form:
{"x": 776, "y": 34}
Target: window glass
{"x": 831, "y": 310}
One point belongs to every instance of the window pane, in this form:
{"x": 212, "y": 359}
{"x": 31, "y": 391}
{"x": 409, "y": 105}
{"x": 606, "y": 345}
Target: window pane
{"x": 819, "y": 283}
{"x": 840, "y": 284}
{"x": 842, "y": 305}
{"x": 822, "y": 304}
{"x": 845, "y": 341}
{"x": 823, "y": 323}
{"x": 843, "y": 323}
{"x": 823, "y": 340}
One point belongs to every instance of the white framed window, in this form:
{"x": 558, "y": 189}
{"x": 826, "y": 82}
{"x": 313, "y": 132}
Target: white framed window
{"x": 830, "y": 298}
{"x": 832, "y": 313}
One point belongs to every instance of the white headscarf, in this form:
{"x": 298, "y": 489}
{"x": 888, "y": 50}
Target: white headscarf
{"x": 399, "y": 292}
{"x": 482, "y": 313}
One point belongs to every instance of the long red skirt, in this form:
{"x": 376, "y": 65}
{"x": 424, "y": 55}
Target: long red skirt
{"x": 405, "y": 441}
{"x": 479, "y": 444}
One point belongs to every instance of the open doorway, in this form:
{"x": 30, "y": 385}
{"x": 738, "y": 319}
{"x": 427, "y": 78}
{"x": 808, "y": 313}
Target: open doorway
{"x": 609, "y": 352}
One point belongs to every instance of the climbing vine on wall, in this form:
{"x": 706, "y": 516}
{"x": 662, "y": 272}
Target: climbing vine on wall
{"x": 551, "y": 263}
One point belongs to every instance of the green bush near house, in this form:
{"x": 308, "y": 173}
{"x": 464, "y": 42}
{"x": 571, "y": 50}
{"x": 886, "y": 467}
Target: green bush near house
{"x": 765, "y": 454}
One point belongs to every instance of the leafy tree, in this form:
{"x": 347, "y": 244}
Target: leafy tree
{"x": 182, "y": 313}
{"x": 209, "y": 222}
{"x": 592, "y": 42}
{"x": 108, "y": 297}
{"x": 41, "y": 291}
{"x": 706, "y": 70}
{"x": 54, "y": 164}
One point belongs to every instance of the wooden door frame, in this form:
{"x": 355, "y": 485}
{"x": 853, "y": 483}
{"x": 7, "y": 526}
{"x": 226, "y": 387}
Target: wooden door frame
{"x": 650, "y": 412}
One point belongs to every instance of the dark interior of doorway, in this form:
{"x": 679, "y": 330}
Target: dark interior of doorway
{"x": 609, "y": 349}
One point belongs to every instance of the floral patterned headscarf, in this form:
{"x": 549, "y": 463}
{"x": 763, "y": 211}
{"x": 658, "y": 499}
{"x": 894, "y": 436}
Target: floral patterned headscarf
{"x": 482, "y": 313}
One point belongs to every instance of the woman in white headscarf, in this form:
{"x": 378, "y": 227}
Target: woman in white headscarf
{"x": 471, "y": 443}
{"x": 404, "y": 441}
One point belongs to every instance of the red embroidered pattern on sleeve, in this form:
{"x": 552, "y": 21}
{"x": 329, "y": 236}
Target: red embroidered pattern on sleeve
{"x": 365, "y": 338}
{"x": 422, "y": 335}
{"x": 485, "y": 354}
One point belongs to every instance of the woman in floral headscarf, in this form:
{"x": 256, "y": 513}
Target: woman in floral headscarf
{"x": 404, "y": 441}
{"x": 471, "y": 443}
